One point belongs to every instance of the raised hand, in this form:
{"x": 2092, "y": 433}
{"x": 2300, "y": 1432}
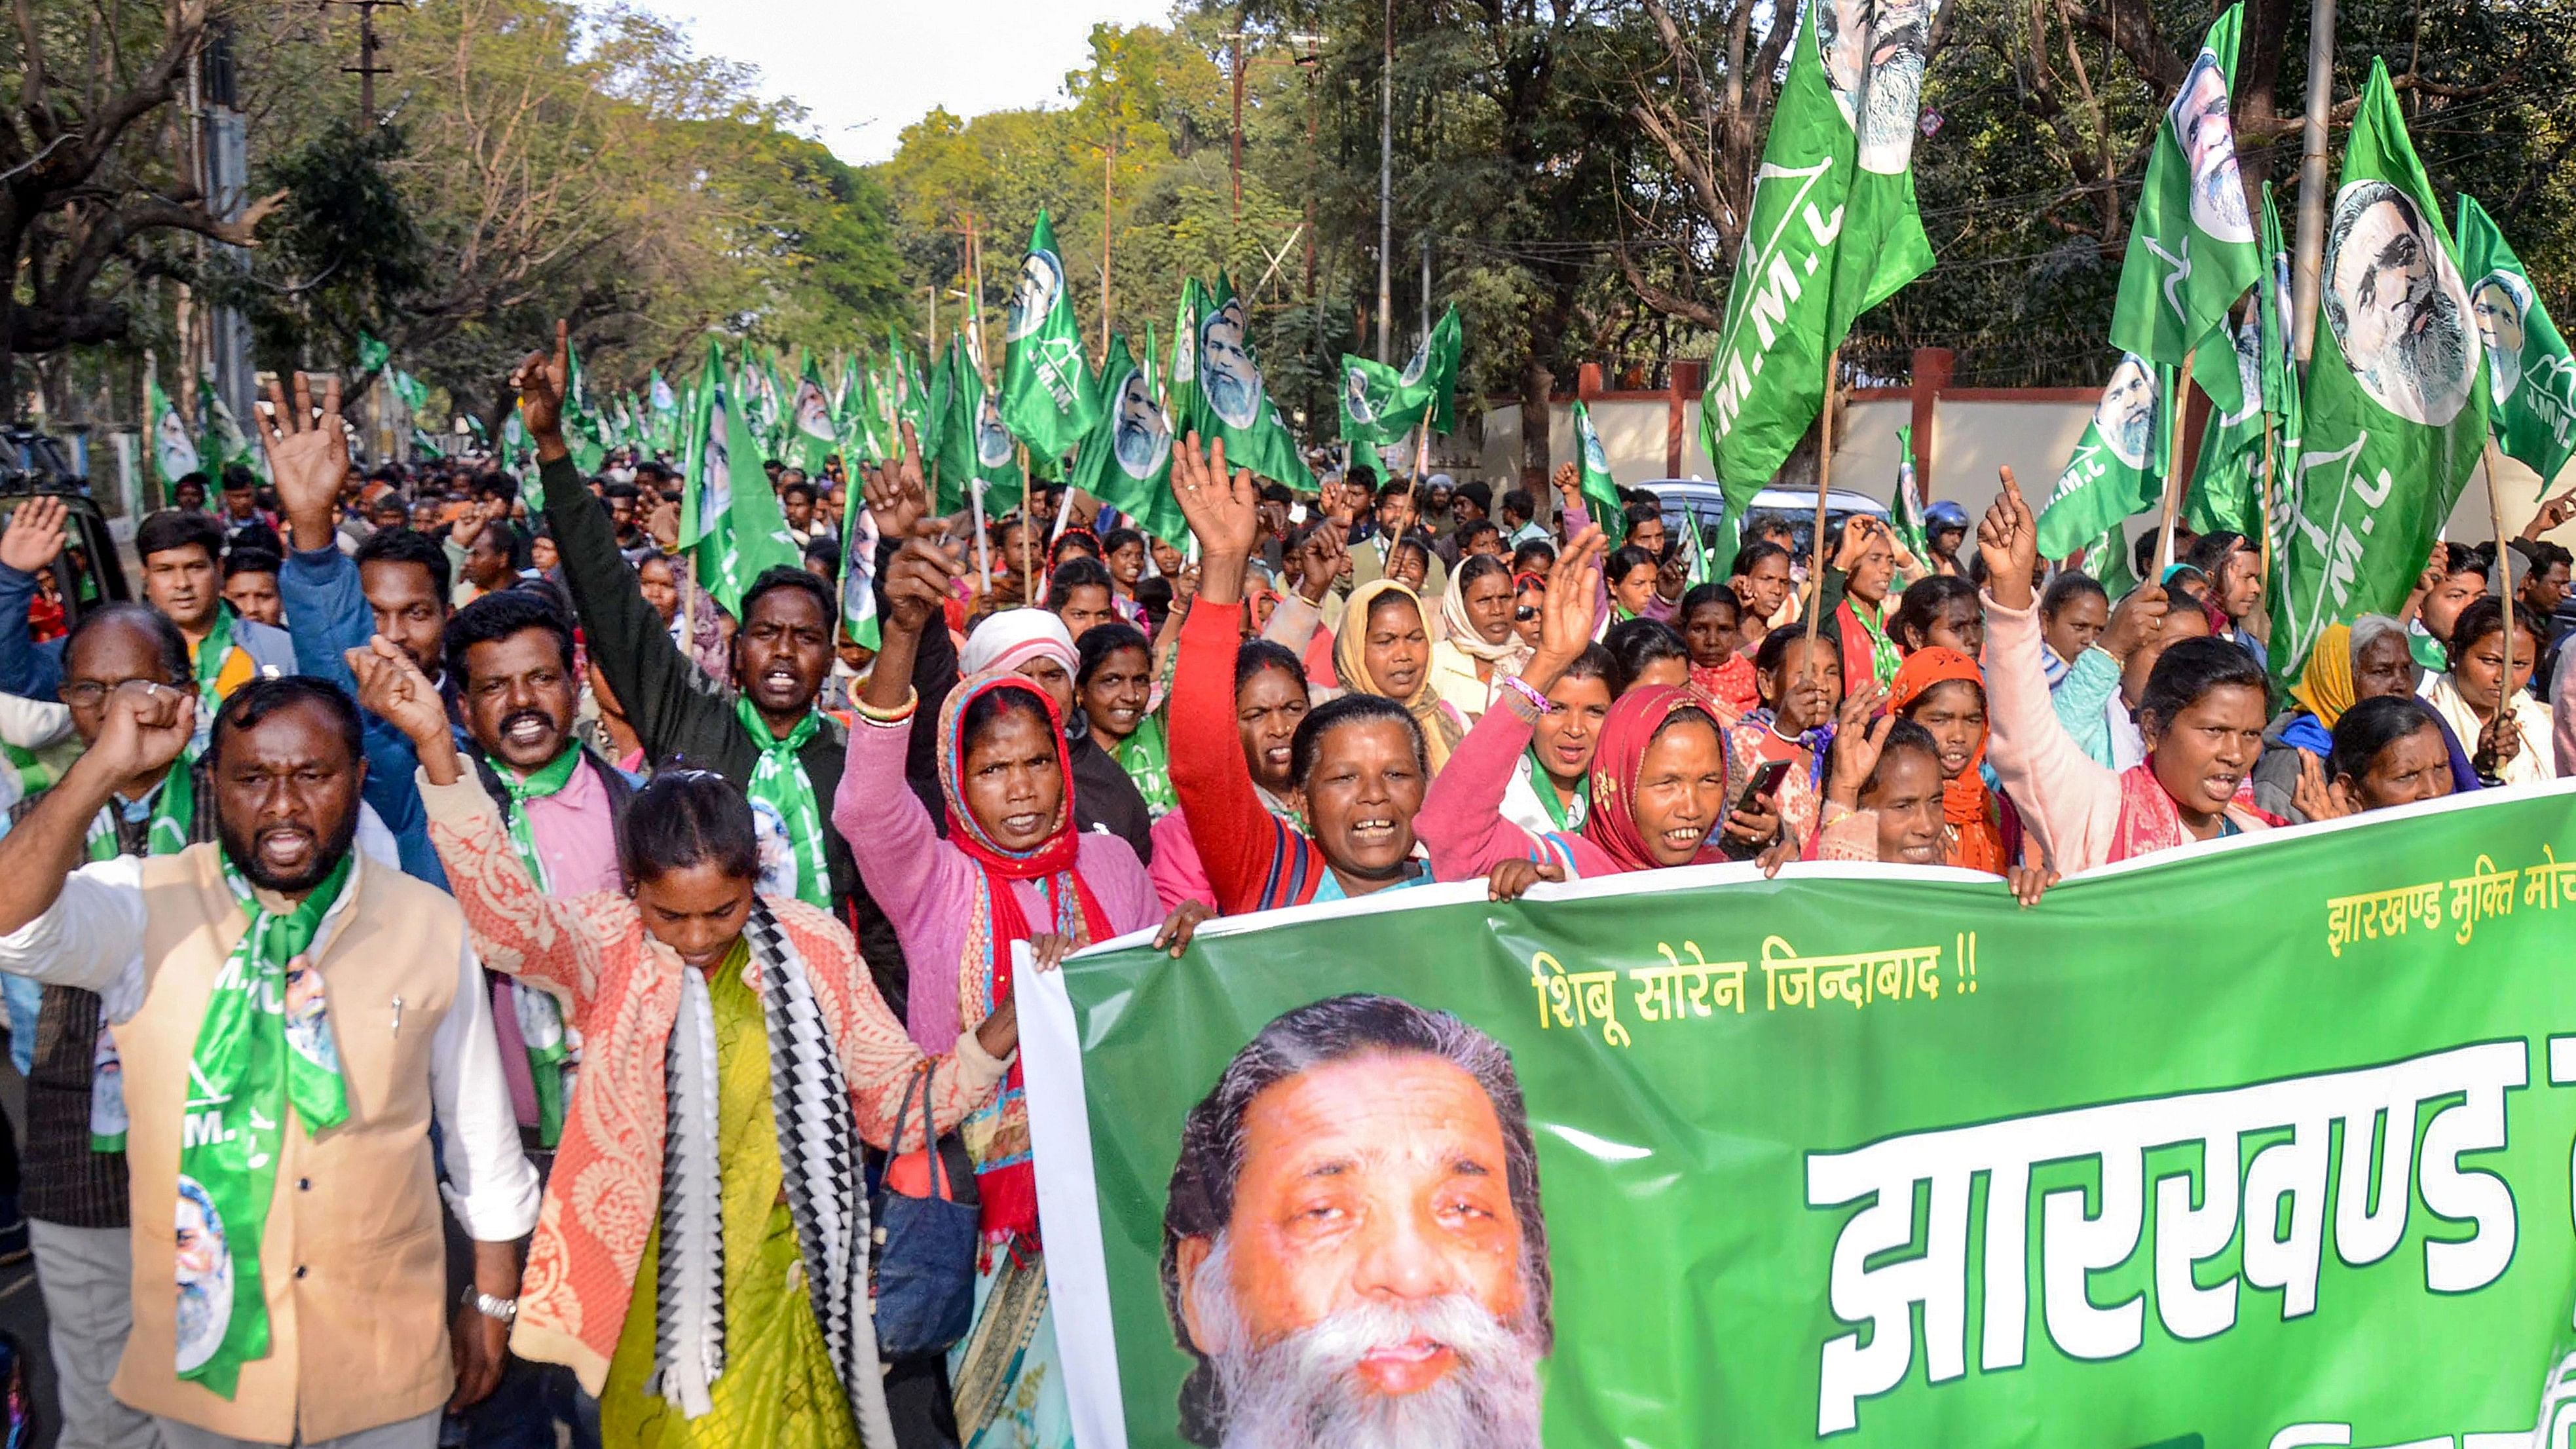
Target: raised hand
{"x": 2136, "y": 621}
{"x": 1862, "y": 702}
{"x": 1566, "y": 618}
{"x": 1568, "y": 482}
{"x": 1320, "y": 561}
{"x": 663, "y": 524}
{"x": 541, "y": 381}
{"x": 2553, "y": 512}
{"x": 308, "y": 457}
{"x": 148, "y": 725}
{"x": 896, "y": 495}
{"x": 1856, "y": 753}
{"x": 2009, "y": 541}
{"x": 2312, "y": 796}
{"x": 917, "y": 579}
{"x": 34, "y": 537}
{"x": 1223, "y": 509}
{"x": 393, "y": 689}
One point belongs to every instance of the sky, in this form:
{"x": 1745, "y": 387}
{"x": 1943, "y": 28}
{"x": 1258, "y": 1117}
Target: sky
{"x": 865, "y": 69}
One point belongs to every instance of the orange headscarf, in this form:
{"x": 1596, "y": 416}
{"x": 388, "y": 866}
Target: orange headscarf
{"x": 1970, "y": 809}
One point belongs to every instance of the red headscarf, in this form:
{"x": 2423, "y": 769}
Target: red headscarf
{"x": 1005, "y": 1180}
{"x": 1970, "y": 809}
{"x": 1630, "y": 727}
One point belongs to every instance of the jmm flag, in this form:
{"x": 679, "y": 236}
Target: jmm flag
{"x": 2531, "y": 381}
{"x": 1600, "y": 490}
{"x": 2191, "y": 245}
{"x": 1127, "y": 461}
{"x": 1233, "y": 401}
{"x": 1905, "y": 515}
{"x": 730, "y": 525}
{"x": 1833, "y": 231}
{"x": 174, "y": 452}
{"x": 1046, "y": 398}
{"x": 1380, "y": 405}
{"x": 812, "y": 434}
{"x": 2118, "y": 462}
{"x": 2227, "y": 478}
{"x": 2396, "y": 403}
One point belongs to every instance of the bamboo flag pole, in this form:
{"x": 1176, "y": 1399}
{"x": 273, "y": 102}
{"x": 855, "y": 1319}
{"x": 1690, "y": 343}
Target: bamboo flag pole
{"x": 2173, "y": 473}
{"x": 1028, "y": 515}
{"x": 2504, "y": 586}
{"x": 2262, "y": 625}
{"x": 1824, "y": 485}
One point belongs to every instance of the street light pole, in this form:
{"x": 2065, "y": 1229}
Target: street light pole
{"x": 1386, "y": 184}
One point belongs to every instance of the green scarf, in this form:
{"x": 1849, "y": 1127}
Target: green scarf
{"x": 779, "y": 782}
{"x": 1146, "y": 757}
{"x": 174, "y": 813}
{"x": 1545, "y": 789}
{"x": 541, "y": 1028}
{"x": 1884, "y": 657}
{"x": 249, "y": 1066}
{"x": 207, "y": 659}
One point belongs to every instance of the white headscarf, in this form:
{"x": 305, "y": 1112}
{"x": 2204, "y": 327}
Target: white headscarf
{"x": 1013, "y": 637}
{"x": 1459, "y": 630}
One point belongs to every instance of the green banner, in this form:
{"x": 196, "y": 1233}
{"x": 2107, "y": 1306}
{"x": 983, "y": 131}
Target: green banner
{"x": 1857, "y": 1154}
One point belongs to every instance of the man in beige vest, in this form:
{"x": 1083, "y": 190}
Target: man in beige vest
{"x": 289, "y": 1018}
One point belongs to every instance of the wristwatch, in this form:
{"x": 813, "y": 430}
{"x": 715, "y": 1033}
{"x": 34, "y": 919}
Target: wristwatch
{"x": 499, "y": 1310}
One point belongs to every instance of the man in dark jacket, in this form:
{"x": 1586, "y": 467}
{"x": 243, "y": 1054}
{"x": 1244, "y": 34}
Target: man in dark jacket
{"x": 765, "y": 736}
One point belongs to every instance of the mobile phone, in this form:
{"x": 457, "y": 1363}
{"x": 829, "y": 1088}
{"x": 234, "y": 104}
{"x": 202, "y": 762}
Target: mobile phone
{"x": 1766, "y": 778}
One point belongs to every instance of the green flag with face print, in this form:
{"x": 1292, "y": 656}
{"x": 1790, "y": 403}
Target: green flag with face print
{"x": 2531, "y": 380}
{"x": 2397, "y": 396}
{"x": 2118, "y": 465}
{"x": 1046, "y": 399}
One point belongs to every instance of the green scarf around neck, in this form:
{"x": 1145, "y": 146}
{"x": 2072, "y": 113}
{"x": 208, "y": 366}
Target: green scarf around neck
{"x": 541, "y": 1028}
{"x": 264, "y": 1046}
{"x": 779, "y": 782}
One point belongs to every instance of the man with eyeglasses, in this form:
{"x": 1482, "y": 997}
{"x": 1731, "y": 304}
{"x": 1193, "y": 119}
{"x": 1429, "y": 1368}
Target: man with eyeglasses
{"x": 73, "y": 1161}
{"x": 182, "y": 555}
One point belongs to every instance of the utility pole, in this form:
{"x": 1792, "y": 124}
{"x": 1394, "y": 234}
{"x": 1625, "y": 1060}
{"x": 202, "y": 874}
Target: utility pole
{"x": 1426, "y": 287}
{"x": 1386, "y": 184}
{"x": 1235, "y": 163}
{"x": 366, "y": 70}
{"x": 2311, "y": 245}
{"x": 223, "y": 165}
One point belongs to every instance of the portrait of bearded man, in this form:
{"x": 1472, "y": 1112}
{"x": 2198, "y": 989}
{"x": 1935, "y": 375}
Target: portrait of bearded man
{"x": 2396, "y": 305}
{"x": 1353, "y": 1250}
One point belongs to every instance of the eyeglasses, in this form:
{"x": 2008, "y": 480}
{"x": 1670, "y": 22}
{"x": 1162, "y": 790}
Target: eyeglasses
{"x": 88, "y": 694}
{"x": 1524, "y": 613}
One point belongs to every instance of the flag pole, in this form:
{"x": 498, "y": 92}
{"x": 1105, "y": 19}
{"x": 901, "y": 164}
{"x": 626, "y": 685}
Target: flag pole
{"x": 2504, "y": 583}
{"x": 1028, "y": 511}
{"x": 983, "y": 550}
{"x": 2173, "y": 471}
{"x": 2263, "y": 607}
{"x": 1824, "y": 484}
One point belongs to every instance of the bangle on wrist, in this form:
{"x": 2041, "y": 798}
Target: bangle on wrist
{"x": 499, "y": 1310}
{"x": 1527, "y": 694}
{"x": 899, "y": 714}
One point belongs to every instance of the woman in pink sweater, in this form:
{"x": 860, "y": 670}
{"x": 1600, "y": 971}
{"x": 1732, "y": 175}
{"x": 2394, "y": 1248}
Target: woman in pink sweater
{"x": 2202, "y": 713}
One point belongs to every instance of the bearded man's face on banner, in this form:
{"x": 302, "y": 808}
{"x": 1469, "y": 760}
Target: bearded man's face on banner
{"x": 1372, "y": 1284}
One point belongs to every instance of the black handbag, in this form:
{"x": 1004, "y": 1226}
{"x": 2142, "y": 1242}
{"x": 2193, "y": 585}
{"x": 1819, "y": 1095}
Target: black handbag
{"x": 926, "y": 1233}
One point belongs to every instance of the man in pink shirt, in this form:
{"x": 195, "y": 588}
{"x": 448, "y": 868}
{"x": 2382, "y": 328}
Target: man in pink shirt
{"x": 510, "y": 657}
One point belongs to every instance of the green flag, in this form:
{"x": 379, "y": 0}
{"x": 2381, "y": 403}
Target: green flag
{"x": 413, "y": 392}
{"x": 1600, "y": 490}
{"x": 2281, "y": 396}
{"x": 2107, "y": 560}
{"x": 373, "y": 354}
{"x": 1181, "y": 380}
{"x": 2191, "y": 245}
{"x": 974, "y": 444}
{"x": 1380, "y": 404}
{"x": 859, "y": 572}
{"x": 1877, "y": 81}
{"x": 224, "y": 443}
{"x": 2396, "y": 406}
{"x": 1046, "y": 398}
{"x": 1127, "y": 461}
{"x": 730, "y": 525}
{"x": 2227, "y": 477}
{"x": 1766, "y": 382}
{"x": 174, "y": 452}
{"x": 666, "y": 413}
{"x": 1905, "y": 515}
{"x": 1233, "y": 403}
{"x": 2531, "y": 381}
{"x": 814, "y": 436}
{"x": 426, "y": 446}
{"x": 2117, "y": 466}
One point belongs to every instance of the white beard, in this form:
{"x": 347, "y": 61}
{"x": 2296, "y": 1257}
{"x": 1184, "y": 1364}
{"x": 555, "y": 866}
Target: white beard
{"x": 1304, "y": 1389}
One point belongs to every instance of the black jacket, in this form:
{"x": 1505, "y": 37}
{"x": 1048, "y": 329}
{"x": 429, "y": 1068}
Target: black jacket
{"x": 686, "y": 720}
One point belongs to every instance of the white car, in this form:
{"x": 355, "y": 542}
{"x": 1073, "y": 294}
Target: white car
{"x": 1705, "y": 503}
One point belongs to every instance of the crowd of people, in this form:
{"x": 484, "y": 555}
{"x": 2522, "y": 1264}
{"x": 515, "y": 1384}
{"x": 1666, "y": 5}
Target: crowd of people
{"x": 550, "y": 1003}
